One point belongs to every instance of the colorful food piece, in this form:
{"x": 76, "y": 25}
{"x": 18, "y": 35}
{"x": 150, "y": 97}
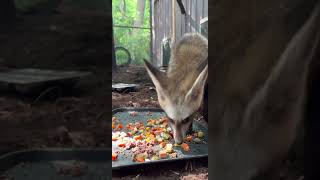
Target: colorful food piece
{"x": 173, "y": 155}
{"x": 154, "y": 158}
{"x": 139, "y": 158}
{"x": 114, "y": 156}
{"x": 169, "y": 148}
{"x": 119, "y": 127}
{"x": 200, "y": 134}
{"x": 138, "y": 137}
{"x": 189, "y": 138}
{"x": 163, "y": 154}
{"x": 185, "y": 147}
{"x": 162, "y": 144}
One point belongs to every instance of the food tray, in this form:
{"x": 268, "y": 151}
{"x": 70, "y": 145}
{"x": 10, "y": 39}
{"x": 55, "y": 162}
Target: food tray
{"x": 37, "y": 164}
{"x": 143, "y": 114}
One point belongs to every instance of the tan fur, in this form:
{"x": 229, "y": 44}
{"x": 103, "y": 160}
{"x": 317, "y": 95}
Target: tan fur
{"x": 180, "y": 91}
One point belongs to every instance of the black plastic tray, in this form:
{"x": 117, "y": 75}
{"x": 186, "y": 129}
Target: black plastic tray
{"x": 196, "y": 150}
{"x": 37, "y": 164}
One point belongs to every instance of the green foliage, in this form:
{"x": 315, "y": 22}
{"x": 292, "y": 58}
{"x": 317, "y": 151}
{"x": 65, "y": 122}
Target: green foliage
{"x": 137, "y": 41}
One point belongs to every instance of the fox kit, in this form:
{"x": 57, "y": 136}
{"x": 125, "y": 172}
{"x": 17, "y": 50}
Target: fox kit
{"x": 181, "y": 89}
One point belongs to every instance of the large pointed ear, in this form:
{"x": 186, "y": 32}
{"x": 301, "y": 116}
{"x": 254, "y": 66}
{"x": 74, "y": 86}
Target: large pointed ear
{"x": 195, "y": 94}
{"x": 159, "y": 78}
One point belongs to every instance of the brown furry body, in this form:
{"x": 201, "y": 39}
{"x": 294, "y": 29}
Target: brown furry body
{"x": 253, "y": 122}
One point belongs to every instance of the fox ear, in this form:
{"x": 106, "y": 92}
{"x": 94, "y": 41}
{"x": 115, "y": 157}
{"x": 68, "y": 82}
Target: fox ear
{"x": 195, "y": 94}
{"x": 159, "y": 78}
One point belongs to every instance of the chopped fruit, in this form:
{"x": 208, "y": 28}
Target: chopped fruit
{"x": 121, "y": 144}
{"x": 159, "y": 139}
{"x": 169, "y": 148}
{"x": 137, "y": 137}
{"x": 148, "y": 141}
{"x": 162, "y": 144}
{"x": 189, "y": 138}
{"x": 173, "y": 155}
{"x": 129, "y": 127}
{"x": 165, "y": 136}
{"x": 139, "y": 158}
{"x": 200, "y": 134}
{"x": 151, "y": 121}
{"x": 114, "y": 156}
{"x": 153, "y": 158}
{"x": 163, "y": 154}
{"x": 185, "y": 147}
{"x": 119, "y": 126}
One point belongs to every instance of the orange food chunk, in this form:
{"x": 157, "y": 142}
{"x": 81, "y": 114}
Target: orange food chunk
{"x": 119, "y": 126}
{"x": 162, "y": 144}
{"x": 151, "y": 121}
{"x": 138, "y": 137}
{"x": 121, "y": 145}
{"x": 114, "y": 156}
{"x": 185, "y": 147}
{"x": 189, "y": 138}
{"x": 114, "y": 139}
{"x": 163, "y": 154}
{"x": 163, "y": 120}
{"x": 139, "y": 158}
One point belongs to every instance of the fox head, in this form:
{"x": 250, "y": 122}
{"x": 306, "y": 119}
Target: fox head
{"x": 179, "y": 98}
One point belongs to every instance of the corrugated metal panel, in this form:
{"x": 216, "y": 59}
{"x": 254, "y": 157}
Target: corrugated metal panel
{"x": 162, "y": 27}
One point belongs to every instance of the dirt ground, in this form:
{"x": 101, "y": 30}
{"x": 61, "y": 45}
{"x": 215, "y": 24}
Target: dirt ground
{"x": 63, "y": 41}
{"x": 75, "y": 119}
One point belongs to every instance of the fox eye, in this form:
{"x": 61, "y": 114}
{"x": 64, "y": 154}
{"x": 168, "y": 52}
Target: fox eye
{"x": 185, "y": 120}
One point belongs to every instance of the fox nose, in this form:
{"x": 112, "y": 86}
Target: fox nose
{"x": 178, "y": 139}
{"x": 178, "y": 142}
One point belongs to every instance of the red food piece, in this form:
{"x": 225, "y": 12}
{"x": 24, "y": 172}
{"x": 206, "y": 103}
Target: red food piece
{"x": 185, "y": 147}
{"x": 114, "y": 156}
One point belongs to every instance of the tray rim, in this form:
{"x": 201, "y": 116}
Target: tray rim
{"x": 124, "y": 109}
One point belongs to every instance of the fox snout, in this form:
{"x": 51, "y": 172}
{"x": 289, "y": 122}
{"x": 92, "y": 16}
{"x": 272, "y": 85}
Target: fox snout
{"x": 180, "y": 129}
{"x": 178, "y": 136}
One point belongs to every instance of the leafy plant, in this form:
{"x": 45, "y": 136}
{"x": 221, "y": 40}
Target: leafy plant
{"x": 137, "y": 41}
